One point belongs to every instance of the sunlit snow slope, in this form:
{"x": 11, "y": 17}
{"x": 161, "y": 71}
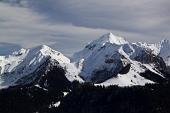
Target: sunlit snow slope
{"x": 27, "y": 61}
{"x": 109, "y": 60}
{"x": 103, "y": 60}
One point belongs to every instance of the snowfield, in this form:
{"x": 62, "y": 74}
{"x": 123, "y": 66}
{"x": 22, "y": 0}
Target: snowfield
{"x": 100, "y": 62}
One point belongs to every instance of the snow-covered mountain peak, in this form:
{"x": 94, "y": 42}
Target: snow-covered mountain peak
{"x": 43, "y": 49}
{"x": 164, "y": 43}
{"x": 46, "y": 51}
{"x": 109, "y": 60}
{"x": 110, "y": 38}
{"x": 105, "y": 57}
{"x": 115, "y": 39}
{"x": 30, "y": 59}
{"x": 27, "y": 62}
{"x": 101, "y": 43}
{"x": 164, "y": 51}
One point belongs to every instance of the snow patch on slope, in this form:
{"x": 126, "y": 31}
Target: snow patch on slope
{"x": 131, "y": 78}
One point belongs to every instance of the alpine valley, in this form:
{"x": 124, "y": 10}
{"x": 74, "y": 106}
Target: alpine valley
{"x": 109, "y": 75}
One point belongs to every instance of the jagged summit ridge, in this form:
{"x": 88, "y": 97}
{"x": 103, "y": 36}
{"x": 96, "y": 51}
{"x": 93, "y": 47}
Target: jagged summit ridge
{"x": 109, "y": 60}
{"x": 110, "y": 38}
{"x": 103, "y": 41}
{"x": 113, "y": 39}
{"x": 24, "y": 62}
{"x": 104, "y": 58}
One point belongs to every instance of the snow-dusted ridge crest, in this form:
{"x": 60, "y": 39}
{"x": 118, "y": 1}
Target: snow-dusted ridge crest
{"x": 109, "y": 60}
{"x": 102, "y": 60}
{"x": 26, "y": 61}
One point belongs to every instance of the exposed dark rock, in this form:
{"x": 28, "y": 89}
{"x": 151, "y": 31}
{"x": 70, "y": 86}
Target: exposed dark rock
{"x": 125, "y": 69}
{"x": 153, "y": 77}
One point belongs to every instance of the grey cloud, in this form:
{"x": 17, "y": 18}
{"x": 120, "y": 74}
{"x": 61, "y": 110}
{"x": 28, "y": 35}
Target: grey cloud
{"x": 71, "y": 24}
{"x": 28, "y": 29}
{"x": 141, "y": 16}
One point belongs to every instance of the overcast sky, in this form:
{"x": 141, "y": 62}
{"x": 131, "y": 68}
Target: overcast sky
{"x": 67, "y": 25}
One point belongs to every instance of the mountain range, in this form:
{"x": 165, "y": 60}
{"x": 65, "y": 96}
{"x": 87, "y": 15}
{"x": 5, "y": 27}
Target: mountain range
{"x": 109, "y": 60}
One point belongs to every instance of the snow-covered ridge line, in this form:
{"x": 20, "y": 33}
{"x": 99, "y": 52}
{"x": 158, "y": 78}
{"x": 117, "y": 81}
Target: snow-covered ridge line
{"x": 103, "y": 56}
{"x": 25, "y": 61}
{"x": 101, "y": 62}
